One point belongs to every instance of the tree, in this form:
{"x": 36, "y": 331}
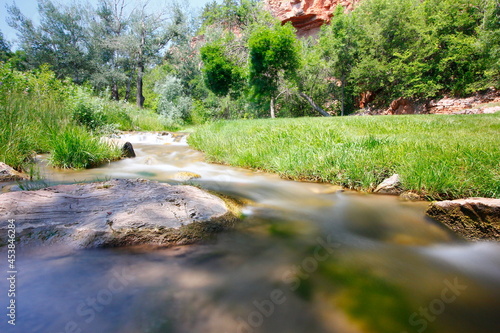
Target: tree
{"x": 5, "y": 52}
{"x": 108, "y": 27}
{"x": 273, "y": 52}
{"x": 221, "y": 74}
{"x": 60, "y": 40}
{"x": 489, "y": 35}
{"x": 339, "y": 50}
{"x": 150, "y": 33}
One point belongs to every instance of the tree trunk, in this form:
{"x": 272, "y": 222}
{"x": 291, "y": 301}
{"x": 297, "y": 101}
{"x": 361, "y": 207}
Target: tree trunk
{"x": 273, "y": 113}
{"x": 140, "y": 96}
{"x": 114, "y": 92}
{"x": 314, "y": 105}
{"x": 343, "y": 96}
{"x": 129, "y": 88}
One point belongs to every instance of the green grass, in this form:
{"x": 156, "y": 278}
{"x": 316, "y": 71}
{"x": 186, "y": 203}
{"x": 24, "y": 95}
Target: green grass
{"x": 26, "y": 127}
{"x": 76, "y": 148}
{"x": 439, "y": 156}
{"x": 31, "y": 124}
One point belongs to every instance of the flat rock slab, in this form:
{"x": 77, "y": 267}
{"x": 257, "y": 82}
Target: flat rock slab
{"x": 473, "y": 218}
{"x": 113, "y": 213}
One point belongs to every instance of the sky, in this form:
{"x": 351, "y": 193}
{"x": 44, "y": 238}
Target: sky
{"x": 29, "y": 9}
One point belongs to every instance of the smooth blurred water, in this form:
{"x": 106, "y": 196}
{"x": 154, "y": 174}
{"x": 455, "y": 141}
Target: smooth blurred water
{"x": 307, "y": 258}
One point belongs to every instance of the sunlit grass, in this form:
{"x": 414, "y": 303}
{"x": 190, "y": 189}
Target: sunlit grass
{"x": 438, "y": 156}
{"x": 76, "y": 148}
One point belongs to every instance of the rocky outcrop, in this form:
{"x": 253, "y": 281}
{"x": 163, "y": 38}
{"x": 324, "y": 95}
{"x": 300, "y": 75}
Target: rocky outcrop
{"x": 8, "y": 174}
{"x": 488, "y": 102}
{"x": 114, "y": 213}
{"x": 307, "y": 16}
{"x": 479, "y": 103}
{"x": 473, "y": 218}
{"x": 406, "y": 106}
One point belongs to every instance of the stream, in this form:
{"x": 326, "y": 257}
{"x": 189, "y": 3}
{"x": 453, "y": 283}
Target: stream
{"x": 307, "y": 258}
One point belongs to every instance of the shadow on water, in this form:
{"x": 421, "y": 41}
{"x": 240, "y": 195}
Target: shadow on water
{"x": 306, "y": 258}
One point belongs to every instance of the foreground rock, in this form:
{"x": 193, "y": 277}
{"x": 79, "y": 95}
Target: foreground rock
{"x": 8, "y": 174}
{"x": 474, "y": 218}
{"x": 114, "y": 213}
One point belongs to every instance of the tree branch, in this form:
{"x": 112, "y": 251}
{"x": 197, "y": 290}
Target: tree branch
{"x": 314, "y": 105}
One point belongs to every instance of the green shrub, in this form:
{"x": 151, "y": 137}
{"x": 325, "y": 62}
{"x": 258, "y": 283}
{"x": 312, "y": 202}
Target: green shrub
{"x": 87, "y": 115}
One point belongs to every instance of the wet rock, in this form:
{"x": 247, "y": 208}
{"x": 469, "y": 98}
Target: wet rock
{"x": 8, "y": 174}
{"x": 185, "y": 176}
{"x": 125, "y": 146}
{"x": 128, "y": 150}
{"x": 114, "y": 213}
{"x": 390, "y": 186}
{"x": 410, "y": 196}
{"x": 473, "y": 218}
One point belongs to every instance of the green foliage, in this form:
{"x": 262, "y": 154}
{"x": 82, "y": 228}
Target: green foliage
{"x": 230, "y": 14}
{"x": 85, "y": 115}
{"x": 173, "y": 104}
{"x": 5, "y": 53}
{"x": 74, "y": 147}
{"x": 220, "y": 73}
{"x": 40, "y": 114}
{"x": 273, "y": 52}
{"x": 59, "y": 40}
{"x": 437, "y": 156}
{"x": 415, "y": 49}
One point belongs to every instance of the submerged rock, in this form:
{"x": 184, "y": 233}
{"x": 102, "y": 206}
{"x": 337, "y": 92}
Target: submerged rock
{"x": 8, "y": 174}
{"x": 473, "y": 218}
{"x": 390, "y": 186}
{"x": 185, "y": 176}
{"x": 114, "y": 213}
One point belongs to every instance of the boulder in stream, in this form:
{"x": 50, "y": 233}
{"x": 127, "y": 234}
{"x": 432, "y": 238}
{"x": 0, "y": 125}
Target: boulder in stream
{"x": 473, "y": 218}
{"x": 114, "y": 213}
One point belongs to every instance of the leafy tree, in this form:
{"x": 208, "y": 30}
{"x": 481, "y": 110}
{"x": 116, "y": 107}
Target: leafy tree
{"x": 150, "y": 34}
{"x": 221, "y": 73}
{"x": 230, "y": 14}
{"x": 5, "y": 52}
{"x": 340, "y": 52}
{"x": 489, "y": 36}
{"x": 273, "y": 52}
{"x": 108, "y": 28}
{"x": 60, "y": 40}
{"x": 173, "y": 104}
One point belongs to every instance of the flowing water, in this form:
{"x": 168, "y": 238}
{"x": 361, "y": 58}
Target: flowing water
{"x": 306, "y": 258}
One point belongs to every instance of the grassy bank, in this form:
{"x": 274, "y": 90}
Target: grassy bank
{"x": 437, "y": 156}
{"x": 41, "y": 114}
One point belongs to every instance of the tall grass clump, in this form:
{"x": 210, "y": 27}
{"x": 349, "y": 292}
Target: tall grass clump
{"x": 74, "y": 147}
{"x": 438, "y": 156}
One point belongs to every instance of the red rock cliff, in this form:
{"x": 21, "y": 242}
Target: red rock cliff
{"x": 307, "y": 16}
